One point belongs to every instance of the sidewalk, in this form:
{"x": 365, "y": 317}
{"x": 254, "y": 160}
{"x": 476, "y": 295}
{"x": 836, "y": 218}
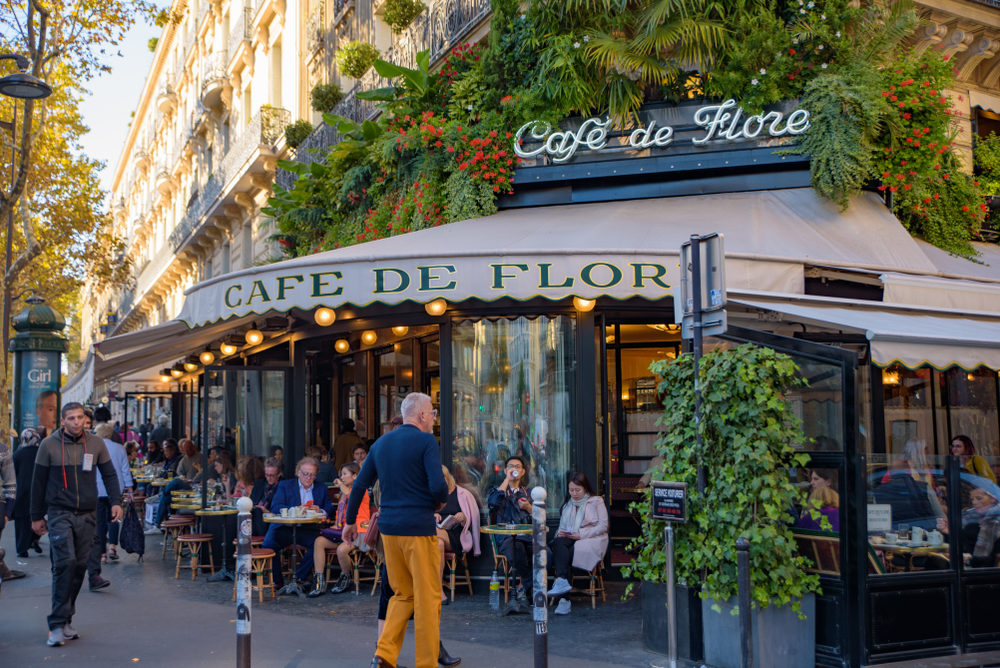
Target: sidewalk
{"x": 148, "y": 617}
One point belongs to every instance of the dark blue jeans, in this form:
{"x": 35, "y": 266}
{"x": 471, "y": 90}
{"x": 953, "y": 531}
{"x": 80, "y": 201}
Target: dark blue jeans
{"x": 164, "y": 508}
{"x": 279, "y": 537}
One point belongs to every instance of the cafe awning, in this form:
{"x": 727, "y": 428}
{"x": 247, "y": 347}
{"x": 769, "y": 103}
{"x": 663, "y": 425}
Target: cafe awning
{"x": 620, "y": 249}
{"x": 911, "y": 337}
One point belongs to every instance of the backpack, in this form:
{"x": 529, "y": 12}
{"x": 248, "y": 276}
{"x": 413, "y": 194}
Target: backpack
{"x": 132, "y": 538}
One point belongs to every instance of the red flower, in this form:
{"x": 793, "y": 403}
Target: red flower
{"x": 791, "y": 52}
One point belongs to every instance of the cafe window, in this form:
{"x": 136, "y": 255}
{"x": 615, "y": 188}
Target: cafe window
{"x": 908, "y": 407}
{"x": 907, "y": 505}
{"x": 971, "y": 408}
{"x": 979, "y": 537}
{"x": 514, "y": 394}
{"x": 818, "y": 519}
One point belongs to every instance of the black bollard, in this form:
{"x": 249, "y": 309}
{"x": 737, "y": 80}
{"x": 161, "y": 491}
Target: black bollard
{"x": 746, "y": 614}
{"x": 539, "y": 532}
{"x": 244, "y": 597}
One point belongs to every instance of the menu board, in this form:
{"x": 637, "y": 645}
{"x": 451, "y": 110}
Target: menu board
{"x": 669, "y": 501}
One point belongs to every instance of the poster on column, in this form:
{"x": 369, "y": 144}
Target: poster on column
{"x": 37, "y": 372}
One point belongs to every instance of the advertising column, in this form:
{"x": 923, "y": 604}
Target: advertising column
{"x": 38, "y": 350}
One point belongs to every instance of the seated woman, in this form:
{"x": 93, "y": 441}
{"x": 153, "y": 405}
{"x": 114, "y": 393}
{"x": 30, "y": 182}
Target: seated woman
{"x": 980, "y": 529}
{"x": 829, "y": 506}
{"x": 224, "y": 470}
{"x": 249, "y": 478}
{"x": 458, "y": 523}
{"x": 330, "y": 538}
{"x": 582, "y": 539}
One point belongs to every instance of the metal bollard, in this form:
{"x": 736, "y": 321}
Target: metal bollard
{"x": 746, "y": 614}
{"x": 539, "y": 533}
{"x": 668, "y": 539}
{"x": 244, "y": 597}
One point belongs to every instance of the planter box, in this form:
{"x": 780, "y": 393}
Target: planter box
{"x": 780, "y": 638}
{"x": 654, "y": 620}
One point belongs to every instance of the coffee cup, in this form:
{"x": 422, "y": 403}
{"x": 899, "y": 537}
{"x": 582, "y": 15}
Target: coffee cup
{"x": 917, "y": 535}
{"x": 935, "y": 537}
{"x": 891, "y": 538}
{"x": 284, "y": 512}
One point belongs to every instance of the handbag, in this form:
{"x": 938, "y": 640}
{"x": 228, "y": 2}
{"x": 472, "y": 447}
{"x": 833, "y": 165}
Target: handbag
{"x": 132, "y": 538}
{"x": 371, "y": 536}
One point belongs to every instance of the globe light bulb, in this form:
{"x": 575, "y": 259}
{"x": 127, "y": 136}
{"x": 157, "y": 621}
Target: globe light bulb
{"x": 436, "y": 307}
{"x": 369, "y": 337}
{"x": 342, "y": 345}
{"x": 228, "y": 349}
{"x": 584, "y": 305}
{"x": 324, "y": 316}
{"x": 207, "y": 357}
{"x": 400, "y": 330}
{"x": 254, "y": 337}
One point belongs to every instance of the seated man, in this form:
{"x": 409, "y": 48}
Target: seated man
{"x": 298, "y": 491}
{"x": 172, "y": 459}
{"x": 510, "y": 504}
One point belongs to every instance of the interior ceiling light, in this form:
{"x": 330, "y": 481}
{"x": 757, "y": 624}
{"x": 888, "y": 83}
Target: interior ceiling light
{"x": 190, "y": 366}
{"x": 369, "y": 337}
{"x": 400, "y": 330}
{"x": 227, "y": 348}
{"x": 206, "y": 357}
{"x": 324, "y": 316}
{"x": 342, "y": 345}
{"x": 584, "y": 305}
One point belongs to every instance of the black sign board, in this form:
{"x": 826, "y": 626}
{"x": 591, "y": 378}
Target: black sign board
{"x": 670, "y": 501}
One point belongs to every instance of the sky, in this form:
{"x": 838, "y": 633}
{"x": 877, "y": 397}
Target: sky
{"x": 114, "y": 96}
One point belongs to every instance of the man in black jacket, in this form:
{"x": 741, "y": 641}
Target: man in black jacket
{"x": 65, "y": 489}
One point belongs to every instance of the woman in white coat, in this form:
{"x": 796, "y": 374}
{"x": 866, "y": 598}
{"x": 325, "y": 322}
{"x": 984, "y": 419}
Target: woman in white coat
{"x": 582, "y": 538}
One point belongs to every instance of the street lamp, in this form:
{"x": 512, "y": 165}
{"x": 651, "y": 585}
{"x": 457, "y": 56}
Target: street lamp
{"x": 19, "y": 86}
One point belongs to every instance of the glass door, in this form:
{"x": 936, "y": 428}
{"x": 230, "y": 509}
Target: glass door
{"x": 244, "y": 409}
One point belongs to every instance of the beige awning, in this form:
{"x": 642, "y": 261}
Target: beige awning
{"x": 984, "y": 101}
{"x": 911, "y": 337}
{"x": 619, "y": 249}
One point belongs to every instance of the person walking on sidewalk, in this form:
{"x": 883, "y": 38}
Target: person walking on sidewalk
{"x": 104, "y": 523}
{"x": 407, "y": 464}
{"x": 64, "y": 490}
{"x": 7, "y": 496}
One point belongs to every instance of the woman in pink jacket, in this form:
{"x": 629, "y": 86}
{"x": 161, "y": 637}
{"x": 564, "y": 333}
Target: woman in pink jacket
{"x": 582, "y": 538}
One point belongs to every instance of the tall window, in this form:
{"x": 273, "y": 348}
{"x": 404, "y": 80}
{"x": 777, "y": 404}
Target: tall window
{"x": 513, "y": 394}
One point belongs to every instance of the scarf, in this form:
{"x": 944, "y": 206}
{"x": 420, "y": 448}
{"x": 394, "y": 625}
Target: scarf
{"x": 572, "y": 515}
{"x": 989, "y": 529}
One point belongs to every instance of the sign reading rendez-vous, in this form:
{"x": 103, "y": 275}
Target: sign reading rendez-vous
{"x": 725, "y": 122}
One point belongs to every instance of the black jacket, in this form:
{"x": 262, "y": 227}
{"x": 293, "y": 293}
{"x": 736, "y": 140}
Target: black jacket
{"x": 24, "y": 466}
{"x": 60, "y": 483}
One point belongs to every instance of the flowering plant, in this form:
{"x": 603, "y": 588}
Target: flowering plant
{"x": 355, "y": 58}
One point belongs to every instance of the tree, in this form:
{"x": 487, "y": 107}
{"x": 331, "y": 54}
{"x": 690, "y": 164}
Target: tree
{"x": 53, "y": 188}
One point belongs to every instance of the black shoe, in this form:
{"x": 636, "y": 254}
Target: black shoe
{"x": 319, "y": 587}
{"x": 36, "y": 547}
{"x": 379, "y": 662}
{"x": 343, "y": 582}
{"x": 445, "y": 659}
{"x": 22, "y": 555}
{"x": 99, "y": 583}
{"x": 512, "y": 608}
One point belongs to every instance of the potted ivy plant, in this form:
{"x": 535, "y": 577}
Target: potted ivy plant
{"x": 749, "y": 442}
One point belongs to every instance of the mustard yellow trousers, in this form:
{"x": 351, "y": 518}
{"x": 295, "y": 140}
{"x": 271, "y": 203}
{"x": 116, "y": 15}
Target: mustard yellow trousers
{"x": 414, "y": 566}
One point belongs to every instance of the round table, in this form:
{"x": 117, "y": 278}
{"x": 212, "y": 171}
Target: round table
{"x": 160, "y": 482}
{"x": 219, "y": 511}
{"x": 292, "y": 586}
{"x": 507, "y": 529}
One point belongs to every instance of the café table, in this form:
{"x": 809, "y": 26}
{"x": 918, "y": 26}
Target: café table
{"x": 292, "y": 586}
{"x": 219, "y": 511}
{"x": 160, "y": 482}
{"x": 908, "y": 550}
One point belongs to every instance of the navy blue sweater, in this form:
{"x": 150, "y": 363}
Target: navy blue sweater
{"x": 407, "y": 464}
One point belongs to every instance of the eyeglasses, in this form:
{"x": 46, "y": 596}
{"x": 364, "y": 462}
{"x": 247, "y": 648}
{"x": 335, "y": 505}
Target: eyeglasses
{"x": 433, "y": 413}
{"x": 307, "y": 475}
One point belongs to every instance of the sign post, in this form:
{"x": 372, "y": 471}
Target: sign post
{"x": 244, "y": 594}
{"x": 703, "y": 291}
{"x": 669, "y": 502}
{"x": 539, "y": 530}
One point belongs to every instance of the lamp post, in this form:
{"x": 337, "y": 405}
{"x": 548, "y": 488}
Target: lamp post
{"x": 19, "y": 86}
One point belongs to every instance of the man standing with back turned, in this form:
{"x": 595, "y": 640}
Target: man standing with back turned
{"x": 65, "y": 488}
{"x": 407, "y": 464}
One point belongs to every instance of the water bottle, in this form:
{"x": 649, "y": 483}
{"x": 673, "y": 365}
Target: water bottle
{"x": 495, "y": 592}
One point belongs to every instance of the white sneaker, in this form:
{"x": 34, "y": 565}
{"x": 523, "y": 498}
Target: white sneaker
{"x": 70, "y": 633}
{"x": 563, "y": 607}
{"x": 560, "y": 586}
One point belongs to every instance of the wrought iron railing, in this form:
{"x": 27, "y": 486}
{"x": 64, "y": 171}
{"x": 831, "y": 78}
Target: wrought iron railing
{"x": 264, "y": 129}
{"x": 242, "y": 28}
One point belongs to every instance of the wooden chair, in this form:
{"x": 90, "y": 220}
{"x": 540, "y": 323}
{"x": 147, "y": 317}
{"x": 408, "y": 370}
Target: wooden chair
{"x": 501, "y": 565}
{"x": 174, "y": 527}
{"x": 820, "y": 547}
{"x": 451, "y": 559}
{"x": 194, "y": 543}
{"x": 595, "y": 585}
{"x": 358, "y": 559}
{"x": 331, "y": 562}
{"x": 260, "y": 566}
